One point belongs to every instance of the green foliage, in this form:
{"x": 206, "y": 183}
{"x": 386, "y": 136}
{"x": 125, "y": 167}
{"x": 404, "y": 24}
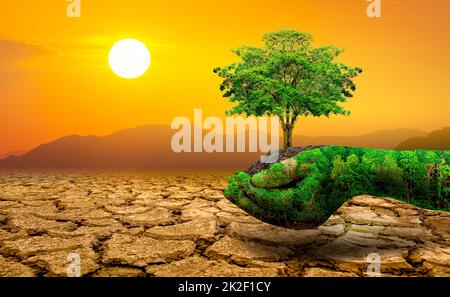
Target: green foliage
{"x": 315, "y": 157}
{"x": 447, "y": 157}
{"x": 349, "y": 178}
{"x": 444, "y": 179}
{"x": 287, "y": 78}
{"x": 389, "y": 176}
{"x": 325, "y": 178}
{"x": 413, "y": 171}
{"x": 273, "y": 177}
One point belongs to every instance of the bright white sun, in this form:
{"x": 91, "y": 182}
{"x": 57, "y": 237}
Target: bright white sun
{"x": 129, "y": 58}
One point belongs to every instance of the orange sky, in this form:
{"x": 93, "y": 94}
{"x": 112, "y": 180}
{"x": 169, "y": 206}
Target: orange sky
{"x": 55, "y": 81}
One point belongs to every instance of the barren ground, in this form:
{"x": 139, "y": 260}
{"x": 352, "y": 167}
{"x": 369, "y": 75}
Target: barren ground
{"x": 178, "y": 224}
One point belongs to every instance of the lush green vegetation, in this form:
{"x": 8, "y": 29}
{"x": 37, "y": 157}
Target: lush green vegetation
{"x": 308, "y": 188}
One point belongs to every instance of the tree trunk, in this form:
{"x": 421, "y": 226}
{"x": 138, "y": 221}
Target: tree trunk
{"x": 287, "y": 133}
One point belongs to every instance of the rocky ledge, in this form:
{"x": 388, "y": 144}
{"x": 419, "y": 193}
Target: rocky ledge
{"x": 181, "y": 225}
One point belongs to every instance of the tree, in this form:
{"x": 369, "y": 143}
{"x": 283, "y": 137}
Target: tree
{"x": 410, "y": 164}
{"x": 444, "y": 182}
{"x": 289, "y": 79}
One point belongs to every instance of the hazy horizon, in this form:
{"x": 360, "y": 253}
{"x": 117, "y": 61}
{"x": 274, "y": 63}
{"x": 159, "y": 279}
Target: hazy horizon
{"x": 25, "y": 150}
{"x": 58, "y": 82}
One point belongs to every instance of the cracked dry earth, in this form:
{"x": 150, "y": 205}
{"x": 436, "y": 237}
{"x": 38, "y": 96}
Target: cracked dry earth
{"x": 177, "y": 224}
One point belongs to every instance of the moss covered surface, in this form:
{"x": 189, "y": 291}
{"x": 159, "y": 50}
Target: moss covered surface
{"x": 307, "y": 189}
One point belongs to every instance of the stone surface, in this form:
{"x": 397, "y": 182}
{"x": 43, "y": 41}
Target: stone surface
{"x": 269, "y": 234}
{"x": 129, "y": 250}
{"x": 193, "y": 230}
{"x": 333, "y": 230}
{"x": 201, "y": 267}
{"x": 321, "y": 272}
{"x": 119, "y": 272}
{"x": 153, "y": 217}
{"x": 38, "y": 245}
{"x": 245, "y": 252}
{"x": 9, "y": 268}
{"x": 56, "y": 263}
{"x": 179, "y": 224}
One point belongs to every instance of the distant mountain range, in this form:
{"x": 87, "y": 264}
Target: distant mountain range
{"x": 436, "y": 140}
{"x": 384, "y": 139}
{"x": 145, "y": 147}
{"x": 149, "y": 147}
{"x": 13, "y": 153}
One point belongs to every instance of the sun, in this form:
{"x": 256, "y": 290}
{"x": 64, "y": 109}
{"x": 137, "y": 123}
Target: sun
{"x": 129, "y": 58}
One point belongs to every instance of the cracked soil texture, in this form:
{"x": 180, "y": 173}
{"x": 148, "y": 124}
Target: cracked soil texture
{"x": 180, "y": 224}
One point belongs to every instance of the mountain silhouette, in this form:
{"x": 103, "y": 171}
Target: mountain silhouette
{"x": 384, "y": 139}
{"x": 13, "y": 153}
{"x": 145, "y": 147}
{"x": 436, "y": 140}
{"x": 149, "y": 147}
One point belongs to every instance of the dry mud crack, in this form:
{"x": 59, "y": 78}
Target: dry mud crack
{"x": 179, "y": 224}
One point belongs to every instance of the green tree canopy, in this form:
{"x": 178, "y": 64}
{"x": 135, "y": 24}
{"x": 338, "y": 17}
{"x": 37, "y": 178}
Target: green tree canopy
{"x": 287, "y": 78}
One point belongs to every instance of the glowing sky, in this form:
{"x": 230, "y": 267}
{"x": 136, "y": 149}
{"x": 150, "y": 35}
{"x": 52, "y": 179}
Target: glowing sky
{"x": 55, "y": 79}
